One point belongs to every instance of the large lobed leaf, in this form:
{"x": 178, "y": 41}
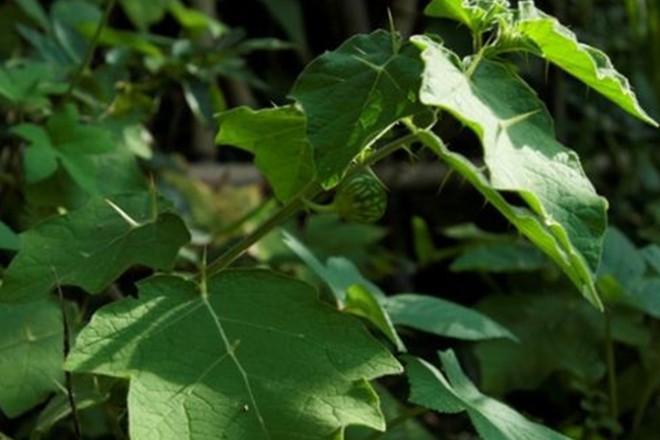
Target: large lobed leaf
{"x": 226, "y": 359}
{"x": 31, "y": 354}
{"x": 453, "y": 392}
{"x": 352, "y": 95}
{"x": 557, "y": 44}
{"x": 92, "y": 246}
{"x": 278, "y": 140}
{"x": 522, "y": 155}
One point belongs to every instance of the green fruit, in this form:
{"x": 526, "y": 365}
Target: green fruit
{"x": 361, "y": 198}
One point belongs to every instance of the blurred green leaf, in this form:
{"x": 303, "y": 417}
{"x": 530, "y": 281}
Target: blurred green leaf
{"x": 145, "y": 13}
{"x": 556, "y": 333}
{"x": 499, "y": 257}
{"x": 8, "y": 239}
{"x": 64, "y": 141}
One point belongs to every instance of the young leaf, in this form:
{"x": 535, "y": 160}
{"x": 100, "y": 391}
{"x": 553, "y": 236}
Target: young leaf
{"x": 278, "y": 140}
{"x": 92, "y": 246}
{"x": 233, "y": 363}
{"x": 476, "y": 15}
{"x": 557, "y": 44}
{"x": 455, "y": 393}
{"x": 67, "y": 142}
{"x": 31, "y": 354}
{"x": 520, "y": 150}
{"x": 353, "y": 94}
{"x": 444, "y": 318}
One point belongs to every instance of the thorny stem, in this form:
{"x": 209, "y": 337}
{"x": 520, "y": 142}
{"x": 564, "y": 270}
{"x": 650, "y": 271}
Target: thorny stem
{"x": 90, "y": 52}
{"x": 293, "y": 206}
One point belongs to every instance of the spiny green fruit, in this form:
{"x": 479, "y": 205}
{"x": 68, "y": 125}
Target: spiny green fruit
{"x": 361, "y": 198}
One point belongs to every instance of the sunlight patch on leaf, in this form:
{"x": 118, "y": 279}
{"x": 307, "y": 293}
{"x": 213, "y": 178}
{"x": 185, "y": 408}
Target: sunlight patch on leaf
{"x": 234, "y": 364}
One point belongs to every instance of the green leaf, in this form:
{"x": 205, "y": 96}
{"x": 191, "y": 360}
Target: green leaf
{"x": 652, "y": 255}
{"x": 453, "y": 392}
{"x": 556, "y": 333}
{"x": 64, "y": 140}
{"x": 233, "y": 363}
{"x": 8, "y": 238}
{"x": 557, "y": 44}
{"x": 278, "y": 140}
{"x": 36, "y": 12}
{"x": 621, "y": 260}
{"x": 116, "y": 38}
{"x": 92, "y": 246}
{"x": 196, "y": 21}
{"x": 354, "y": 293}
{"x": 289, "y": 14}
{"x": 444, "y": 318}
{"x": 499, "y": 257}
{"x": 411, "y": 429}
{"x": 143, "y": 14}
{"x": 352, "y": 95}
{"x": 522, "y": 156}
{"x": 27, "y": 85}
{"x": 646, "y": 297}
{"x": 475, "y": 14}
{"x": 31, "y": 354}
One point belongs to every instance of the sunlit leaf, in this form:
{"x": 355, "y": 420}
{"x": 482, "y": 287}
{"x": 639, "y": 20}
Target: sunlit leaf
{"x": 557, "y": 44}
{"x": 353, "y": 94}
{"x": 233, "y": 363}
{"x": 92, "y": 246}
{"x": 278, "y": 140}
{"x": 522, "y": 156}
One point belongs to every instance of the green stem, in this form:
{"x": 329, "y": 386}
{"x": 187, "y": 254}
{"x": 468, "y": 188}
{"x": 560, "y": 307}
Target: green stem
{"x": 293, "y": 206}
{"x": 407, "y": 415}
{"x": 611, "y": 368}
{"x": 90, "y": 52}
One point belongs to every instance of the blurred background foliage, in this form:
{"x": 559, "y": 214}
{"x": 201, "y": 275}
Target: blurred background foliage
{"x": 164, "y": 68}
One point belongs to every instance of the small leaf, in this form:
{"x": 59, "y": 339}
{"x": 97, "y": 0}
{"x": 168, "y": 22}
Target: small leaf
{"x": 476, "y": 15}
{"x": 455, "y": 393}
{"x": 352, "y": 95}
{"x": 8, "y": 239}
{"x": 443, "y": 318}
{"x": 31, "y": 354}
{"x": 278, "y": 140}
{"x": 65, "y": 141}
{"x": 144, "y": 14}
{"x": 92, "y": 246}
{"x": 522, "y": 156}
{"x": 234, "y": 364}
{"x": 557, "y": 44}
